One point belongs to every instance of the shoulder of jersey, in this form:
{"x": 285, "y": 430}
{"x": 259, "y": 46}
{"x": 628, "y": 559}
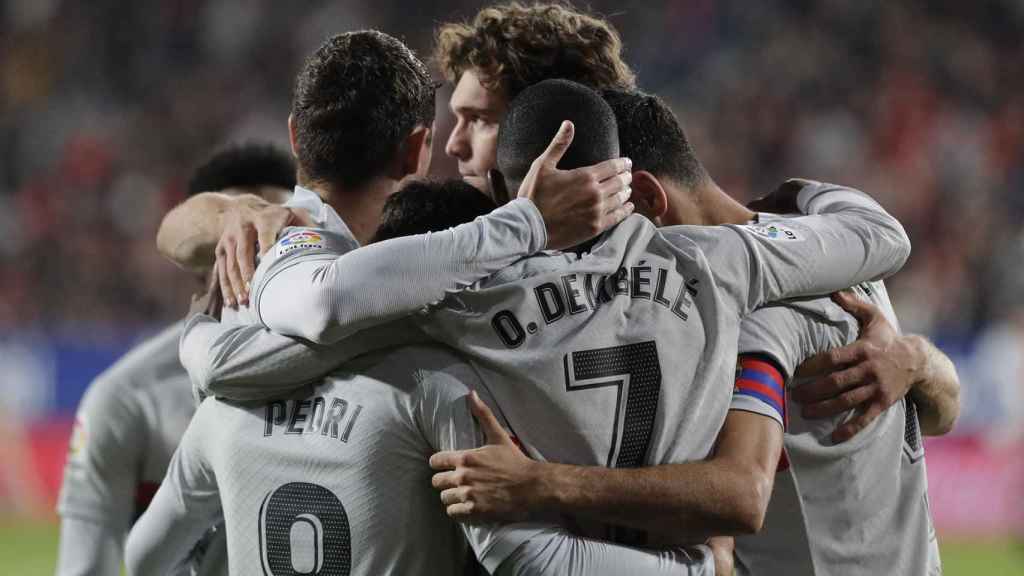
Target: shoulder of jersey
{"x": 295, "y": 240}
{"x": 152, "y": 361}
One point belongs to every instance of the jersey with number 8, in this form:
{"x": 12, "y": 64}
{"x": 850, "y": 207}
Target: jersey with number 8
{"x": 330, "y": 481}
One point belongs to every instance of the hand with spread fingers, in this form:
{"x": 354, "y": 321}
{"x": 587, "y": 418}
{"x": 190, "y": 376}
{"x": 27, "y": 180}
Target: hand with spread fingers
{"x": 248, "y": 226}
{"x": 495, "y": 482}
{"x": 870, "y": 375}
{"x": 577, "y": 204}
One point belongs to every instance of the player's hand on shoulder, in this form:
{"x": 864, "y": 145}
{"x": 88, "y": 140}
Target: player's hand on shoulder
{"x": 496, "y": 482}
{"x": 251, "y": 222}
{"x": 870, "y": 375}
{"x": 577, "y": 204}
{"x": 723, "y": 549}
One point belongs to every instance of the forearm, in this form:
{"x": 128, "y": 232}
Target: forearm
{"x": 249, "y": 362}
{"x": 937, "y": 392}
{"x": 162, "y": 539}
{"x": 329, "y": 300}
{"x": 681, "y": 503}
{"x": 848, "y": 239}
{"x": 88, "y": 549}
{"x": 188, "y": 234}
{"x": 563, "y": 553}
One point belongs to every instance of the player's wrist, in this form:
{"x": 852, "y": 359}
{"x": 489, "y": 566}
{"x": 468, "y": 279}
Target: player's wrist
{"x": 916, "y": 350}
{"x": 551, "y": 486}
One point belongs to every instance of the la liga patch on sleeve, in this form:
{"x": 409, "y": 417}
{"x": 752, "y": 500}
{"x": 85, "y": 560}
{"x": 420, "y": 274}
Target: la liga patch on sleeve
{"x": 299, "y": 240}
{"x": 774, "y": 231}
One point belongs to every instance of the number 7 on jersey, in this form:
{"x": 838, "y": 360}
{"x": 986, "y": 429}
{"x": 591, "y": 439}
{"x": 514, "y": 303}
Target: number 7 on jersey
{"x": 635, "y": 371}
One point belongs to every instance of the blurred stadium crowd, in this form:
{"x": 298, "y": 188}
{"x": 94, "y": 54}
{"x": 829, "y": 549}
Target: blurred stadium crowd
{"x": 108, "y": 105}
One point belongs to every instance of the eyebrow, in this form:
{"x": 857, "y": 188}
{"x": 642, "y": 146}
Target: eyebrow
{"x": 472, "y": 109}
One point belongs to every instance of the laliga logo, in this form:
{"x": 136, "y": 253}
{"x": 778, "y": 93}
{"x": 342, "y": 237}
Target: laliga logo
{"x": 303, "y": 237}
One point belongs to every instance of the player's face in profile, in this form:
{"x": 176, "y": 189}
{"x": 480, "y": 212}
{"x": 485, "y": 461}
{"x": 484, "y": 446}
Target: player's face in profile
{"x": 474, "y": 140}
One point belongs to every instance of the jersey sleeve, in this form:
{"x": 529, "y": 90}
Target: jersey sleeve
{"x": 248, "y": 362}
{"x": 849, "y": 239}
{"x": 185, "y": 507}
{"x": 562, "y": 553}
{"x": 447, "y": 423}
{"x": 101, "y": 473}
{"x": 323, "y": 299}
{"x": 88, "y": 548}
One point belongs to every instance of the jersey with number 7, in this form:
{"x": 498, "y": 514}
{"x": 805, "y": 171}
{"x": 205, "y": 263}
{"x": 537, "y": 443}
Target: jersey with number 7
{"x": 625, "y": 355}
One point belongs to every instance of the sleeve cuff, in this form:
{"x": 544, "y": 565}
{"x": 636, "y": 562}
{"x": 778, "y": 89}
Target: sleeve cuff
{"x": 531, "y": 214}
{"x": 820, "y": 197}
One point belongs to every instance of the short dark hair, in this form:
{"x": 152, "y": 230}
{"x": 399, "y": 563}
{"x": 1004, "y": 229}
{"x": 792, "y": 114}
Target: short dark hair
{"x": 534, "y": 117}
{"x": 356, "y": 99}
{"x": 511, "y": 46}
{"x": 650, "y": 135}
{"x": 430, "y": 206}
{"x": 247, "y": 165}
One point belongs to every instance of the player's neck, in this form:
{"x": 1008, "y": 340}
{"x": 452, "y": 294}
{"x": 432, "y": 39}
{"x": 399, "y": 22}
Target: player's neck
{"x": 359, "y": 207}
{"x": 706, "y": 205}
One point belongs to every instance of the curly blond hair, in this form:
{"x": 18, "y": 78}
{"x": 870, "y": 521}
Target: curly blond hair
{"x": 512, "y": 46}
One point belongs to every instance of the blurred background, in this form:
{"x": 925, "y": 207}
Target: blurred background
{"x": 106, "y": 106}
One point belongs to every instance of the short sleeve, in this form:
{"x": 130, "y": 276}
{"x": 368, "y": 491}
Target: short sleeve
{"x": 773, "y": 341}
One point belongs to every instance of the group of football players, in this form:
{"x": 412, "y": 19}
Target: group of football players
{"x": 583, "y": 357}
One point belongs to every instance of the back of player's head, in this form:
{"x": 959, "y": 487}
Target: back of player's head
{"x": 534, "y": 117}
{"x": 512, "y": 46}
{"x": 356, "y": 100}
{"x": 249, "y": 165}
{"x": 429, "y": 206}
{"x": 651, "y": 136}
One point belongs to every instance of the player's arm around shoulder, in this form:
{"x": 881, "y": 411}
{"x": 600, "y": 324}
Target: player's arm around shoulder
{"x": 846, "y": 239}
{"x": 878, "y": 370}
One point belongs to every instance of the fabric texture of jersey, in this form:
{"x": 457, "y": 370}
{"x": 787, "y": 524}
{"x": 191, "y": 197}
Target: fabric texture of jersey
{"x": 592, "y": 339}
{"x": 332, "y": 480}
{"x": 247, "y": 362}
{"x": 856, "y": 508}
{"x": 127, "y": 428}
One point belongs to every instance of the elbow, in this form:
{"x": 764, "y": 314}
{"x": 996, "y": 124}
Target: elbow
{"x": 754, "y": 507}
{"x": 900, "y": 243}
{"x": 750, "y": 504}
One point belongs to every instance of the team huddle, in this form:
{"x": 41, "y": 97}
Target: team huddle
{"x": 583, "y": 357}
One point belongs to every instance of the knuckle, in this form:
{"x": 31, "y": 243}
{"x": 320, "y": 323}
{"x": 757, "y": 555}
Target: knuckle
{"x": 834, "y": 356}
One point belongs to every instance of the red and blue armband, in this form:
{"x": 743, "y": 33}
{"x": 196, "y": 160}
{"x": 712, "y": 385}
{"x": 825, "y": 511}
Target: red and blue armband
{"x": 758, "y": 378}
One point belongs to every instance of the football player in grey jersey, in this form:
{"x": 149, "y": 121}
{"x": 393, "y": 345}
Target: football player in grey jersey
{"x": 524, "y": 220}
{"x": 133, "y": 415}
{"x": 679, "y": 301}
{"x": 302, "y": 460}
{"x": 806, "y": 522}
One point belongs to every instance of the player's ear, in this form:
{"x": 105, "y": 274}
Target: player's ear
{"x": 415, "y": 152}
{"x": 291, "y": 135}
{"x": 649, "y": 195}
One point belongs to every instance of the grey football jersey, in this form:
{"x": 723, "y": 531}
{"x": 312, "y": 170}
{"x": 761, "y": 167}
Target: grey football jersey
{"x": 628, "y": 352}
{"x": 332, "y": 480}
{"x": 860, "y": 507}
{"x": 575, "y": 350}
{"x": 126, "y": 430}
